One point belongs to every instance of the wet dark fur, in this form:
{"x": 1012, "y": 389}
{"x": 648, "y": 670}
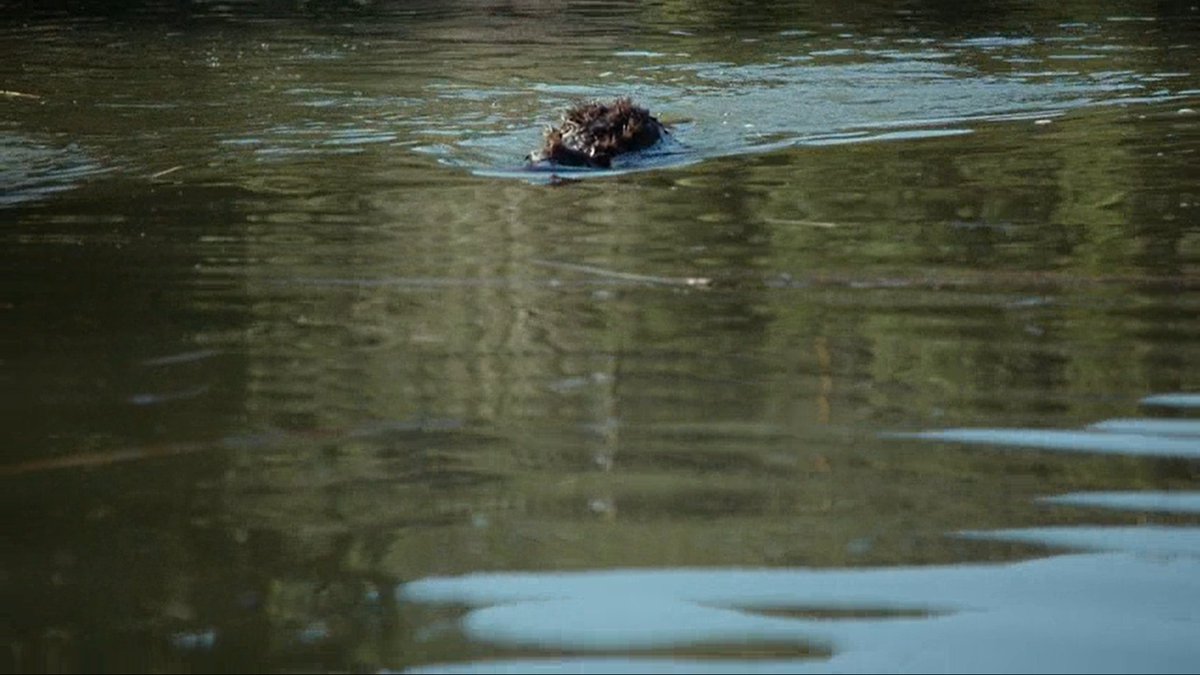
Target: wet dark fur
{"x": 592, "y": 134}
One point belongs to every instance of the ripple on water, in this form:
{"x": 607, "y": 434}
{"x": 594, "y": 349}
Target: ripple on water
{"x": 844, "y": 95}
{"x": 1068, "y": 612}
{"x": 1153, "y": 501}
{"x": 1098, "y": 442}
{"x": 1131, "y": 437}
{"x": 1180, "y": 400}
{"x": 33, "y": 169}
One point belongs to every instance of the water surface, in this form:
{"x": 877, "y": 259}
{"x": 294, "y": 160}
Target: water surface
{"x": 290, "y": 334}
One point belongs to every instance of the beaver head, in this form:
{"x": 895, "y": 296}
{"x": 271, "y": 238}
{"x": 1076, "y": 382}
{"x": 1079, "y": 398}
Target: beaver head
{"x": 591, "y": 134}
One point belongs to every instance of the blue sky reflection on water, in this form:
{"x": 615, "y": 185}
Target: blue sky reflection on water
{"x": 1132, "y": 437}
{"x": 1062, "y": 613}
{"x": 1069, "y": 612}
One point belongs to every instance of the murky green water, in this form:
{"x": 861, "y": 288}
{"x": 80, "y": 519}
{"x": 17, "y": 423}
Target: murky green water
{"x": 285, "y": 327}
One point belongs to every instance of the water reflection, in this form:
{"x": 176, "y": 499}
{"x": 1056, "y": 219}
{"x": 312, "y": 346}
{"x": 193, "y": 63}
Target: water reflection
{"x": 1173, "y": 400}
{"x": 320, "y": 90}
{"x": 35, "y": 170}
{"x": 1168, "y": 502}
{"x": 976, "y": 613}
{"x": 277, "y": 338}
{"x": 1133, "y": 437}
{"x": 802, "y": 98}
{"x": 1072, "y": 441}
{"x": 967, "y": 616}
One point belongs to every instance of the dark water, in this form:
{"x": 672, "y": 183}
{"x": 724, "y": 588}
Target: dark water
{"x": 287, "y": 332}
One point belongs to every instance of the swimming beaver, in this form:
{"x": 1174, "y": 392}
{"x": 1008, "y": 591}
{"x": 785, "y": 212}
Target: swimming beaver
{"x": 591, "y": 134}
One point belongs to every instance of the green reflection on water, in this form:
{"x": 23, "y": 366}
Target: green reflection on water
{"x": 286, "y": 350}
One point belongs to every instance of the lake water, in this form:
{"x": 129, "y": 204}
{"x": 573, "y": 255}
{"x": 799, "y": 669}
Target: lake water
{"x": 891, "y": 361}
